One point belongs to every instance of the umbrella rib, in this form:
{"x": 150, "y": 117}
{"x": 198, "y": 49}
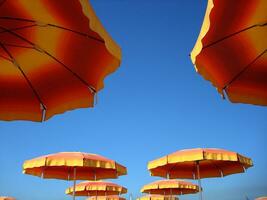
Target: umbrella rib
{"x": 233, "y": 34}
{"x": 216, "y": 166}
{"x": 53, "y": 25}
{"x": 39, "y": 49}
{"x": 243, "y": 70}
{"x": 24, "y": 75}
{"x": 18, "y": 46}
{"x": 19, "y": 28}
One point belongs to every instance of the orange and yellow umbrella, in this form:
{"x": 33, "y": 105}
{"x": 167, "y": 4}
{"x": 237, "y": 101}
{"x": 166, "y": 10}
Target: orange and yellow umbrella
{"x": 199, "y": 163}
{"x": 110, "y": 197}
{"x": 53, "y": 58}
{"x": 7, "y": 198}
{"x": 96, "y": 188}
{"x": 170, "y": 187}
{"x": 231, "y": 50}
{"x": 73, "y": 166}
{"x": 157, "y": 197}
{"x": 261, "y": 198}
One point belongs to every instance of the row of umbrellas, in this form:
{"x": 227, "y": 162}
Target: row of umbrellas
{"x": 43, "y": 40}
{"x": 186, "y": 164}
{"x": 193, "y": 164}
{"x": 78, "y": 166}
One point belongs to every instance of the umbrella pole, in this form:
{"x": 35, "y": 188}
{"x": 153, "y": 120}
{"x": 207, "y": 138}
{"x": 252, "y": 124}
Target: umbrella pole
{"x": 199, "y": 182}
{"x": 74, "y": 183}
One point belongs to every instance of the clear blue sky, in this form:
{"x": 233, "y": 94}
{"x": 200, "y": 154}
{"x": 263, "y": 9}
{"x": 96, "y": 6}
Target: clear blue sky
{"x": 153, "y": 105}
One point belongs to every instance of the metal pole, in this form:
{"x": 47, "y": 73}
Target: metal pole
{"x": 199, "y": 182}
{"x": 74, "y": 183}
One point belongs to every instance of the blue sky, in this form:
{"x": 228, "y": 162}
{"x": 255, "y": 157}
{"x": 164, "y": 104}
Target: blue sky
{"x": 153, "y": 105}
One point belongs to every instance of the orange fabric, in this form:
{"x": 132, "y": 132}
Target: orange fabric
{"x": 52, "y": 56}
{"x": 62, "y": 165}
{"x": 110, "y": 197}
{"x": 232, "y": 55}
{"x": 97, "y": 188}
{"x": 170, "y": 187}
{"x": 7, "y": 198}
{"x": 212, "y": 162}
{"x": 261, "y": 198}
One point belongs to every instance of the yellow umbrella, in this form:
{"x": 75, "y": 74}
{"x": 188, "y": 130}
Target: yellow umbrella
{"x": 95, "y": 188}
{"x": 157, "y": 197}
{"x": 7, "y": 198}
{"x": 74, "y": 166}
{"x": 199, "y": 163}
{"x": 170, "y": 187}
{"x": 109, "y": 197}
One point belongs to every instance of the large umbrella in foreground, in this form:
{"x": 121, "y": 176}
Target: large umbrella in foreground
{"x": 73, "y": 166}
{"x": 170, "y": 187}
{"x": 96, "y": 188}
{"x": 199, "y": 163}
{"x": 7, "y": 198}
{"x": 54, "y": 56}
{"x": 157, "y": 197}
{"x": 261, "y": 198}
{"x": 231, "y": 50}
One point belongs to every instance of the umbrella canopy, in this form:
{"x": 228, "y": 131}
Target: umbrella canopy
{"x": 53, "y": 58}
{"x": 7, "y": 198}
{"x": 110, "y": 197}
{"x": 231, "y": 50}
{"x": 97, "y": 188}
{"x": 170, "y": 187}
{"x": 212, "y": 163}
{"x": 61, "y": 166}
{"x": 261, "y": 198}
{"x": 157, "y": 197}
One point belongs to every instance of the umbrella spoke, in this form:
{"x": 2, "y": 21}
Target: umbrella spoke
{"x": 233, "y": 34}
{"x": 41, "y": 24}
{"x": 243, "y": 70}
{"x": 19, "y": 28}
{"x": 13, "y": 60}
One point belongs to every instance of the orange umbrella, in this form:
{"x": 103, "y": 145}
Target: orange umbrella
{"x": 53, "y": 58}
{"x": 95, "y": 188}
{"x": 199, "y": 163}
{"x": 73, "y": 166}
{"x": 261, "y": 198}
{"x": 170, "y": 187}
{"x": 157, "y": 197}
{"x": 7, "y": 198}
{"x": 231, "y": 50}
{"x": 110, "y": 197}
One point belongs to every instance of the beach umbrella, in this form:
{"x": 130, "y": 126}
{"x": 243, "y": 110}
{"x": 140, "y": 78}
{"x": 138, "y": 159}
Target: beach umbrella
{"x": 7, "y": 198}
{"x": 96, "y": 188}
{"x": 231, "y": 50}
{"x": 157, "y": 197}
{"x": 261, "y": 198}
{"x": 109, "y": 197}
{"x": 199, "y": 163}
{"x": 53, "y": 58}
{"x": 73, "y": 166}
{"x": 170, "y": 187}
